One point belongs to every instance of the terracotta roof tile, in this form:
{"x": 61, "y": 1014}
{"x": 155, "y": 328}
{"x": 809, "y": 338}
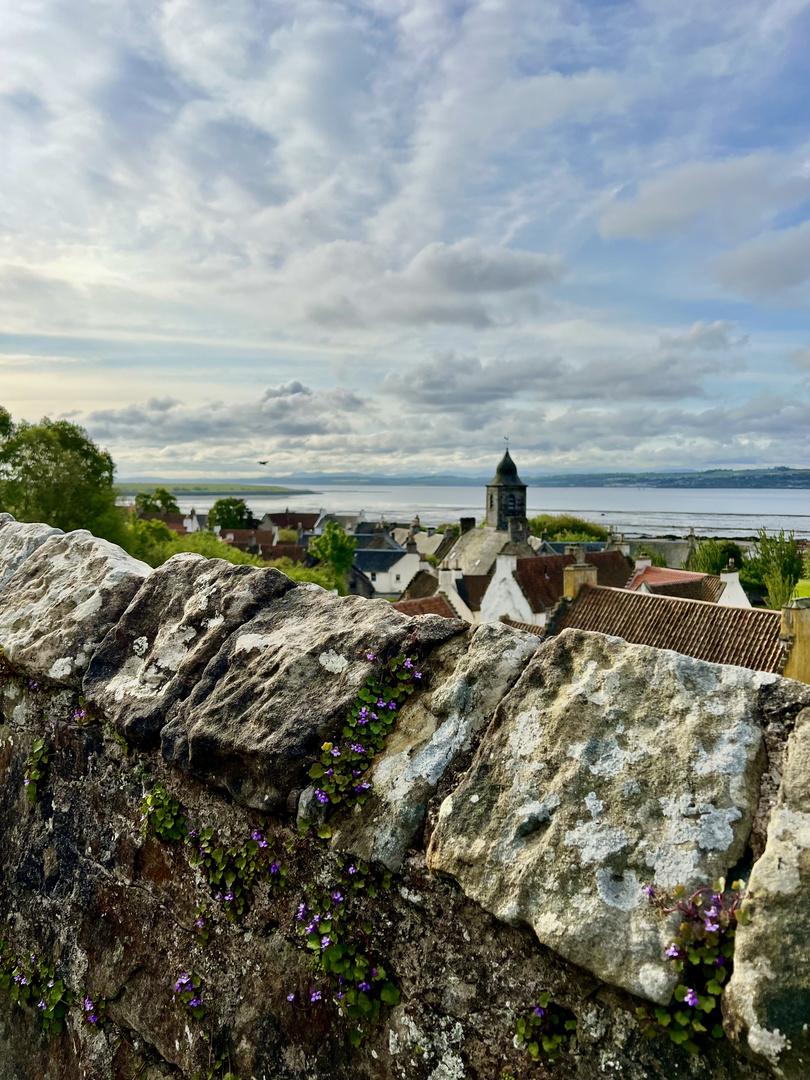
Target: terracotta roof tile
{"x": 688, "y": 584}
{"x": 746, "y": 637}
{"x": 516, "y": 624}
{"x": 426, "y": 605}
{"x": 541, "y": 578}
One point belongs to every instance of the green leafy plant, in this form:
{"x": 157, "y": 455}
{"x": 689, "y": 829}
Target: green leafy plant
{"x": 232, "y": 872}
{"x": 36, "y": 769}
{"x": 703, "y": 954}
{"x": 546, "y": 1031}
{"x": 340, "y": 771}
{"x": 35, "y": 984}
{"x": 187, "y": 991}
{"x": 161, "y": 815}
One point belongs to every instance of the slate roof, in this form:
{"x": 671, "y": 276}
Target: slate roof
{"x": 746, "y": 637}
{"x": 506, "y": 473}
{"x": 422, "y": 584}
{"x": 557, "y": 547}
{"x": 541, "y": 578}
{"x": 471, "y": 589}
{"x": 475, "y": 551}
{"x": 291, "y": 519}
{"x": 688, "y": 584}
{"x": 426, "y": 605}
{"x": 375, "y": 560}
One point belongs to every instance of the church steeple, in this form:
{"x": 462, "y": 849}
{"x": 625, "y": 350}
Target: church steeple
{"x": 506, "y": 495}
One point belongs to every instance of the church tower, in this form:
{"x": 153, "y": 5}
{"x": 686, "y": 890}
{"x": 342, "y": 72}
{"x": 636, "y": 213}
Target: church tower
{"x": 506, "y": 496}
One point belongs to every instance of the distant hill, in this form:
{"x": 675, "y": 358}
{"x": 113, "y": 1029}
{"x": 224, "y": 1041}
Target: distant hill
{"x": 132, "y": 487}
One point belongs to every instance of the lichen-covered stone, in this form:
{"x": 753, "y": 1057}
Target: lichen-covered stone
{"x": 62, "y": 601}
{"x": 179, "y": 619}
{"x": 18, "y": 540}
{"x": 280, "y": 686}
{"x": 608, "y": 766}
{"x": 767, "y": 1003}
{"x": 471, "y": 674}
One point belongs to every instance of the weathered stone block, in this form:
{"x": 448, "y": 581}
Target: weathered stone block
{"x": 62, "y": 601}
{"x": 608, "y": 766}
{"x": 280, "y": 686}
{"x": 767, "y": 1003}
{"x": 178, "y": 621}
{"x": 471, "y": 674}
{"x": 18, "y": 540}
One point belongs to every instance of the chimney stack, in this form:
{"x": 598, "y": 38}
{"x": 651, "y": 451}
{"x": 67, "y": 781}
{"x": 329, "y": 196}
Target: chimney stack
{"x": 467, "y": 523}
{"x": 796, "y": 634}
{"x": 577, "y": 574}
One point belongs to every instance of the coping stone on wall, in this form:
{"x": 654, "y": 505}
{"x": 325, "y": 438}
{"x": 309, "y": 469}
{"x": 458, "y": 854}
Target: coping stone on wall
{"x": 18, "y": 540}
{"x": 62, "y": 601}
{"x": 281, "y": 685}
{"x": 177, "y": 622}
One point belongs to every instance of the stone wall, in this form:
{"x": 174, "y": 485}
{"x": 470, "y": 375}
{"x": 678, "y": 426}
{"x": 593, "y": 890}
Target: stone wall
{"x": 178, "y": 728}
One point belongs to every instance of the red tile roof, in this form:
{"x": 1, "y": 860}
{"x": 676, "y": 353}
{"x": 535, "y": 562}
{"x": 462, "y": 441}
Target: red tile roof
{"x": 295, "y": 552}
{"x": 516, "y": 624}
{"x": 747, "y": 637}
{"x": 426, "y": 605}
{"x": 291, "y": 519}
{"x": 685, "y": 583}
{"x": 541, "y": 578}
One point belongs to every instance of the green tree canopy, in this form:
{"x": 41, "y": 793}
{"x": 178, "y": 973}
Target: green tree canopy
{"x": 231, "y": 513}
{"x": 335, "y": 550}
{"x": 155, "y": 502}
{"x": 775, "y": 565}
{"x": 655, "y": 557}
{"x": 562, "y": 527}
{"x": 54, "y": 472}
{"x": 712, "y": 556}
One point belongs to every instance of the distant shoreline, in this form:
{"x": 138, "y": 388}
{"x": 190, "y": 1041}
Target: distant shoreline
{"x": 133, "y": 487}
{"x": 780, "y": 479}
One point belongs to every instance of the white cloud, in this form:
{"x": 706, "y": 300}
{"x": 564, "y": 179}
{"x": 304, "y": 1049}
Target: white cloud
{"x": 771, "y": 265}
{"x": 703, "y": 335}
{"x": 734, "y": 193}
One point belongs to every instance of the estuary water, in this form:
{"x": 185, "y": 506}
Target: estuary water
{"x": 632, "y": 511}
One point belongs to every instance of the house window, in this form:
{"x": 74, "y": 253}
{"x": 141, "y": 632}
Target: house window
{"x": 510, "y": 504}
{"x": 397, "y": 577}
{"x": 373, "y": 577}
{"x": 491, "y": 501}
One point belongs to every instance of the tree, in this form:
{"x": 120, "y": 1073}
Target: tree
{"x": 231, "y": 513}
{"x": 54, "y": 472}
{"x": 155, "y": 502}
{"x": 712, "y": 556}
{"x": 775, "y": 565}
{"x": 562, "y": 527}
{"x": 335, "y": 550}
{"x": 655, "y": 557}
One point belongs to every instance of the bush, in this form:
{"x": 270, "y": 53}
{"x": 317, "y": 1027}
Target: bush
{"x": 566, "y": 527}
{"x": 712, "y": 556}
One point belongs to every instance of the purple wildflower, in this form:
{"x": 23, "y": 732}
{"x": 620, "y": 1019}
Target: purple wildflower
{"x": 352, "y": 869}
{"x": 274, "y": 867}
{"x": 321, "y": 796}
{"x": 374, "y": 973}
{"x": 218, "y": 896}
{"x": 193, "y": 834}
{"x": 408, "y": 663}
{"x": 26, "y": 782}
{"x": 88, "y": 1004}
{"x": 364, "y": 719}
{"x": 691, "y": 998}
{"x": 335, "y": 751}
{"x": 362, "y": 786}
{"x": 358, "y": 749}
{"x": 650, "y": 891}
{"x": 262, "y": 843}
{"x": 92, "y": 1019}
{"x": 311, "y": 928}
{"x": 326, "y": 941}
{"x": 229, "y": 895}
{"x": 673, "y": 951}
{"x": 381, "y": 702}
{"x": 195, "y": 1001}
{"x": 417, "y": 674}
{"x": 314, "y": 995}
{"x": 392, "y": 704}
{"x": 337, "y": 897}
{"x": 329, "y": 772}
{"x": 340, "y": 995}
{"x": 369, "y": 655}
{"x": 720, "y": 961}
{"x": 363, "y": 985}
{"x": 538, "y": 1010}
{"x": 290, "y": 997}
{"x": 41, "y": 1004}
{"x": 355, "y": 773}
{"x": 200, "y": 922}
{"x": 302, "y": 910}
{"x": 363, "y": 714}
{"x": 256, "y": 835}
{"x": 711, "y": 927}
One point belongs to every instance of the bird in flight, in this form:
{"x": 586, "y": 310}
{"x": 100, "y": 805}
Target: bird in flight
{"x": 262, "y": 463}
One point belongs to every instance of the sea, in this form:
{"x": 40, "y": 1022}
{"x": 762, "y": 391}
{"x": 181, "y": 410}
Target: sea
{"x": 634, "y": 511}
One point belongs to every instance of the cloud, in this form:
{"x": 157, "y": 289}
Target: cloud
{"x": 469, "y": 267}
{"x": 770, "y": 266}
{"x": 454, "y": 384}
{"x": 732, "y": 193}
{"x": 801, "y": 358}
{"x": 290, "y": 410}
{"x": 703, "y": 335}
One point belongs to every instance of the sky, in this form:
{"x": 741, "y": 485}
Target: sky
{"x": 380, "y": 236}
